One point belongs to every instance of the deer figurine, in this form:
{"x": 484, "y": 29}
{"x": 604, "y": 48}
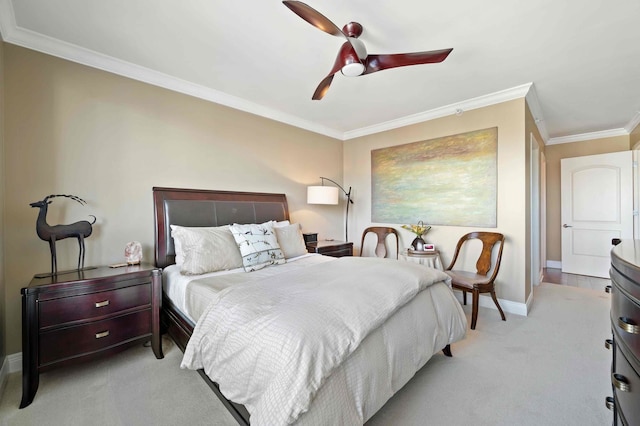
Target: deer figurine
{"x": 46, "y": 232}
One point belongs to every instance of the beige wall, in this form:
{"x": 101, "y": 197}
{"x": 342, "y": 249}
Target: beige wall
{"x": 3, "y": 332}
{"x": 76, "y": 130}
{"x": 554, "y": 154}
{"x": 509, "y": 118}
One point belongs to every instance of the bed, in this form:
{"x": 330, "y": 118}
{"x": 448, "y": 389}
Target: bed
{"x": 366, "y": 367}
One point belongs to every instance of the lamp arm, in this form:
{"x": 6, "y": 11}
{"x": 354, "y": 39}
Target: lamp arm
{"x": 346, "y": 216}
{"x": 348, "y": 194}
{"x": 349, "y": 201}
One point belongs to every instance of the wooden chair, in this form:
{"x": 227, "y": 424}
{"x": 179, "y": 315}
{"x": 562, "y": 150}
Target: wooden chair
{"x": 382, "y": 232}
{"x": 478, "y": 282}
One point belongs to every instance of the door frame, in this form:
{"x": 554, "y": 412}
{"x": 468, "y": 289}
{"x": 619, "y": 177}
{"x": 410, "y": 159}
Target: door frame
{"x": 536, "y": 212}
{"x": 543, "y": 212}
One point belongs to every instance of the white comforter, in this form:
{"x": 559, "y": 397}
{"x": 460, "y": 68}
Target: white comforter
{"x": 272, "y": 344}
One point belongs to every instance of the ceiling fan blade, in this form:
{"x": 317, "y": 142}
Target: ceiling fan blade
{"x": 375, "y": 63}
{"x": 346, "y": 55}
{"x": 322, "y": 88}
{"x": 314, "y": 17}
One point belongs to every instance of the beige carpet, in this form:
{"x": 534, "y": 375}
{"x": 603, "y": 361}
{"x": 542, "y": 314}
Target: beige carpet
{"x": 550, "y": 368}
{"x": 131, "y": 388}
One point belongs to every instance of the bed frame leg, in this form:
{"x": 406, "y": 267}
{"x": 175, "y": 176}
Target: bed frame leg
{"x": 447, "y": 350}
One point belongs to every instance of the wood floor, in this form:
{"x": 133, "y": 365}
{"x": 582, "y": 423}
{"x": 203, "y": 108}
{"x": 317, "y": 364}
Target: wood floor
{"x": 556, "y": 276}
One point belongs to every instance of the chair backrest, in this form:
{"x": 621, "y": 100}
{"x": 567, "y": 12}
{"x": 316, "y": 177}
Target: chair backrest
{"x": 489, "y": 240}
{"x": 381, "y": 232}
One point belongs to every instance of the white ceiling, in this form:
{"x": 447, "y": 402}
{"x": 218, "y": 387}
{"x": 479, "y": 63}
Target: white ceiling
{"x": 577, "y": 61}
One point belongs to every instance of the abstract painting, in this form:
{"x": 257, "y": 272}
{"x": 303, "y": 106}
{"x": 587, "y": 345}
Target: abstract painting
{"x": 452, "y": 180}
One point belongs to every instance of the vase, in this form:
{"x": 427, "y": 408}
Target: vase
{"x": 418, "y": 244}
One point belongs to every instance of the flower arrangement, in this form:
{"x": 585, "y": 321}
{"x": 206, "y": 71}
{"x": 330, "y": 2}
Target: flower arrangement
{"x": 420, "y": 229}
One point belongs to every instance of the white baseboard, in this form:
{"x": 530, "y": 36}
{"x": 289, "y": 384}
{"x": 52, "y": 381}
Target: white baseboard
{"x": 15, "y": 362}
{"x": 12, "y": 364}
{"x": 555, "y": 264}
{"x": 4, "y": 374}
{"x": 507, "y": 305}
{"x": 530, "y": 301}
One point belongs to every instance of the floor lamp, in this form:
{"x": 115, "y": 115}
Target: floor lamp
{"x": 329, "y": 195}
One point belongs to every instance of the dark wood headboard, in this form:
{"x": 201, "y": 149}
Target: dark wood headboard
{"x": 193, "y": 207}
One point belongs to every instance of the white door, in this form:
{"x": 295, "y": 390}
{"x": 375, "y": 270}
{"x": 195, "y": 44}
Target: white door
{"x": 597, "y": 206}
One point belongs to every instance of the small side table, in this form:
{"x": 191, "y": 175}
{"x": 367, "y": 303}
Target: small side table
{"x": 331, "y": 248}
{"x": 427, "y": 258}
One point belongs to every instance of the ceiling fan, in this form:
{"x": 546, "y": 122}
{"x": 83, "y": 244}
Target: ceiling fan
{"x": 352, "y": 59}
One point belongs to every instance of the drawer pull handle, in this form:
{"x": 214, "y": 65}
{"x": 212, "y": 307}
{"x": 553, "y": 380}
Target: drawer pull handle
{"x": 620, "y": 382}
{"x": 608, "y": 343}
{"x": 628, "y": 325}
{"x": 607, "y": 289}
{"x": 101, "y": 304}
{"x": 608, "y": 402}
{"x": 102, "y": 334}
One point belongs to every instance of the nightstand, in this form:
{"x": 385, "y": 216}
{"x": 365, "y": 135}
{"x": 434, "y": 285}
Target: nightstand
{"x": 331, "y": 248}
{"x": 81, "y": 315}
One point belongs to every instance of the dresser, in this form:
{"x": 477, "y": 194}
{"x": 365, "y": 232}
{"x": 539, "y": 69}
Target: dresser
{"x": 331, "y": 248}
{"x": 625, "y": 325}
{"x": 81, "y": 315}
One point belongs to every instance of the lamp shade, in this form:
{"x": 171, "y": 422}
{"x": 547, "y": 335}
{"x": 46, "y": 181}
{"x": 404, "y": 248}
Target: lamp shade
{"x": 322, "y": 195}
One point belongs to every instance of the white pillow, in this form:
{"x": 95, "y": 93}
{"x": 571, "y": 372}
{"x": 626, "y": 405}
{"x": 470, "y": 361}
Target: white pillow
{"x": 205, "y": 249}
{"x": 258, "y": 245}
{"x": 290, "y": 240}
{"x": 280, "y": 224}
{"x": 177, "y": 247}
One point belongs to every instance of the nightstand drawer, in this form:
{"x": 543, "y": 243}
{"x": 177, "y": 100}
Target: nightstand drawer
{"x": 339, "y": 253}
{"x": 87, "y": 306}
{"x": 82, "y": 339}
{"x": 331, "y": 248}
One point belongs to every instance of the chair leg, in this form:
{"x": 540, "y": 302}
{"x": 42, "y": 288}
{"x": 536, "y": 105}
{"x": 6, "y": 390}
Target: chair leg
{"x": 464, "y": 297}
{"x": 495, "y": 300}
{"x": 474, "y": 309}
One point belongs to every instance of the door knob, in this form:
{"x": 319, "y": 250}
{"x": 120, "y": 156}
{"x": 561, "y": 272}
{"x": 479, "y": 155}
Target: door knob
{"x": 567, "y": 226}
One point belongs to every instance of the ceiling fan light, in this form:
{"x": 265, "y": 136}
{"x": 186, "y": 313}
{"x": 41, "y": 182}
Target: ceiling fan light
{"x": 353, "y": 69}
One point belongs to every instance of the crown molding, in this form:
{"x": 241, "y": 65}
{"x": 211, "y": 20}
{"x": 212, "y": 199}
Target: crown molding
{"x": 7, "y": 19}
{"x": 10, "y": 32}
{"x": 622, "y": 131}
{"x": 582, "y": 137}
{"x": 452, "y": 109}
{"x": 633, "y": 123}
{"x": 536, "y": 111}
{"x": 48, "y": 45}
